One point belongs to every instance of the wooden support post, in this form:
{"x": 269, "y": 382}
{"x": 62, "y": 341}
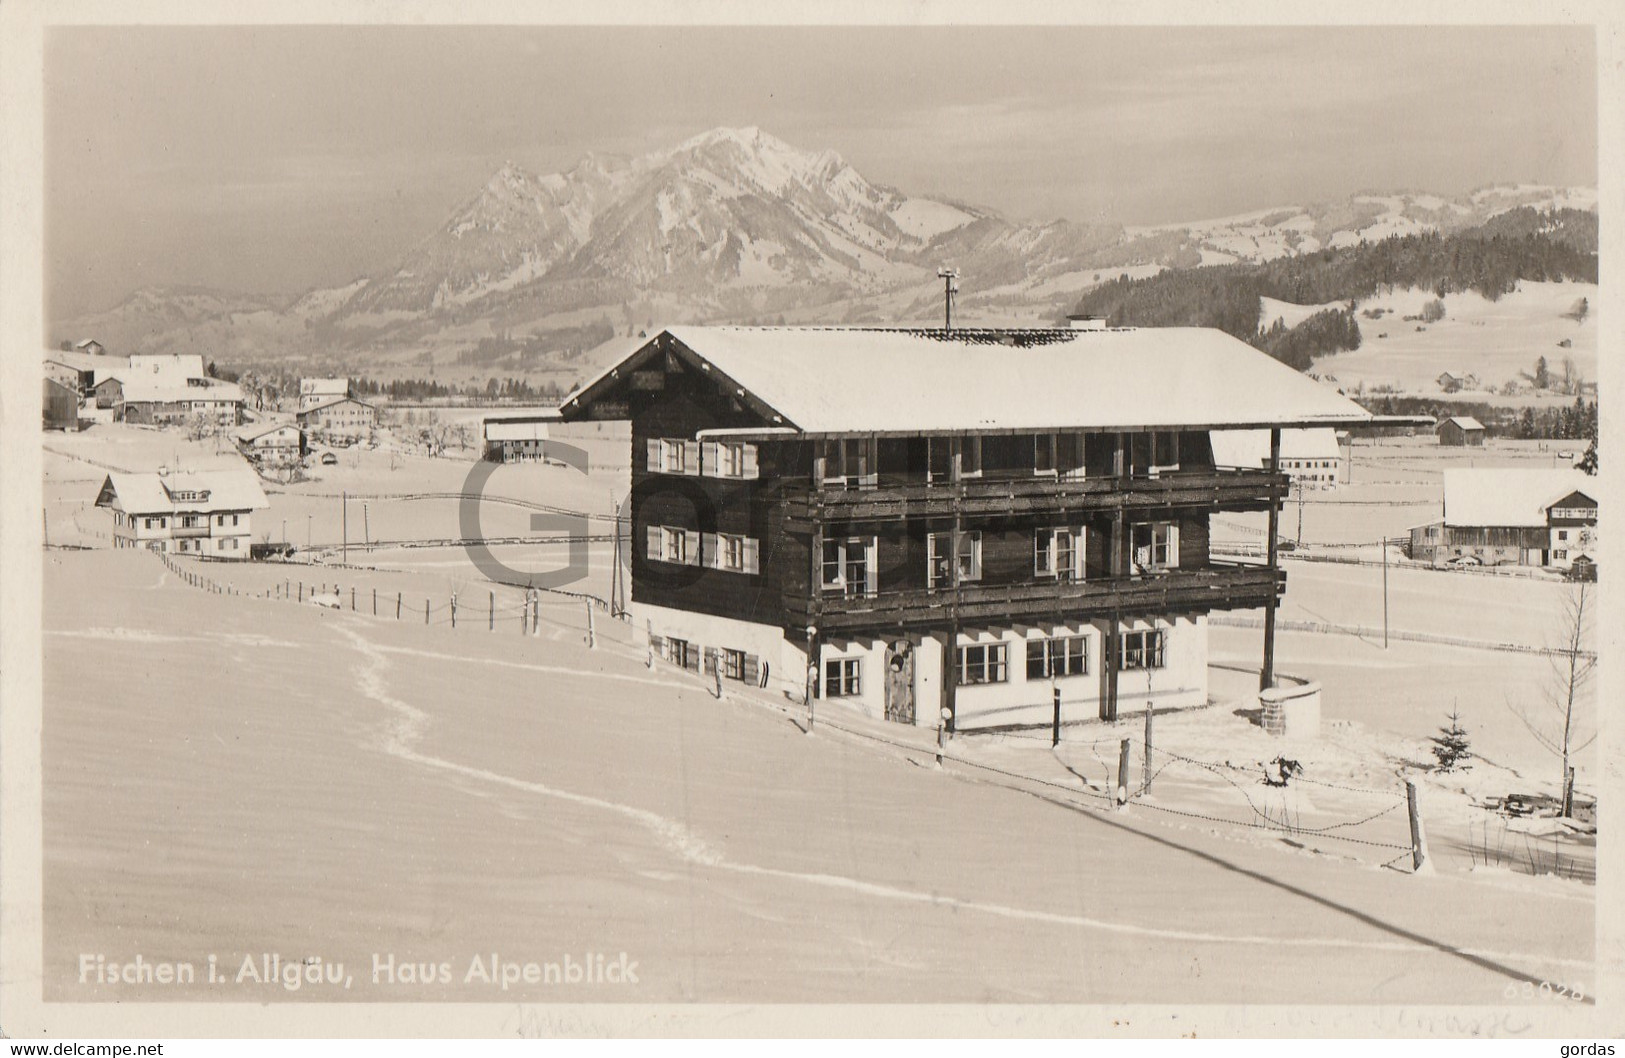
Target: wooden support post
{"x": 493, "y": 612}
{"x": 454, "y": 609}
{"x": 1266, "y": 674}
{"x": 1150, "y": 711}
{"x": 1114, "y": 644}
{"x": 1122, "y": 775}
{"x": 1055, "y": 722}
{"x": 397, "y": 606}
{"x": 375, "y": 602}
{"x": 425, "y": 611}
{"x": 301, "y": 591}
{"x": 1419, "y": 841}
{"x": 941, "y": 736}
{"x": 592, "y": 639}
{"x": 352, "y": 598}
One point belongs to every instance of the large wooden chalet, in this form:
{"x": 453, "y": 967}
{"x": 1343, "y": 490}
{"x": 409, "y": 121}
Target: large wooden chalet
{"x": 966, "y": 520}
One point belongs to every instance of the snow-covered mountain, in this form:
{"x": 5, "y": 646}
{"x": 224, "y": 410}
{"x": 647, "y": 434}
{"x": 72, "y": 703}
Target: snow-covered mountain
{"x": 737, "y": 225}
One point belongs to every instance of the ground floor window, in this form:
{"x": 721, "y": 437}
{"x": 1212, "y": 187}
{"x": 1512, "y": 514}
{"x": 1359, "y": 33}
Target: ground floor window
{"x": 984, "y": 663}
{"x": 682, "y": 652}
{"x": 1057, "y": 657}
{"x": 843, "y": 677}
{"x": 733, "y": 664}
{"x": 1142, "y": 650}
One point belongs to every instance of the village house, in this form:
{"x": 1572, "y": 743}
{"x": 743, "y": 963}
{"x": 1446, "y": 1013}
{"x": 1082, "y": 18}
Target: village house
{"x": 83, "y": 371}
{"x": 1311, "y": 458}
{"x": 970, "y": 520}
{"x": 516, "y": 438}
{"x": 89, "y": 347}
{"x": 272, "y": 445}
{"x": 164, "y": 400}
{"x": 339, "y": 418}
{"x": 1521, "y": 517}
{"x": 313, "y": 391}
{"x": 206, "y": 513}
{"x": 1461, "y": 430}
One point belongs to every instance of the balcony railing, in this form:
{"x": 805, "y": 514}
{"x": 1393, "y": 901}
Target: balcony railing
{"x": 190, "y": 530}
{"x": 1212, "y": 489}
{"x": 1217, "y": 586}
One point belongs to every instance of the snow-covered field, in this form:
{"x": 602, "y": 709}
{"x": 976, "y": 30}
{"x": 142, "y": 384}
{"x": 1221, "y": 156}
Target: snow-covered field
{"x": 236, "y": 775}
{"x": 1495, "y": 340}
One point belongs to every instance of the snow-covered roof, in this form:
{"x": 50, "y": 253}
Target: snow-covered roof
{"x": 840, "y": 380}
{"x": 330, "y": 401}
{"x": 1498, "y": 496}
{"x": 1251, "y": 448}
{"x": 1466, "y": 422}
{"x": 167, "y": 365}
{"x": 260, "y": 429}
{"x": 215, "y": 490}
{"x": 324, "y": 387}
{"x": 526, "y": 429}
{"x": 141, "y": 389}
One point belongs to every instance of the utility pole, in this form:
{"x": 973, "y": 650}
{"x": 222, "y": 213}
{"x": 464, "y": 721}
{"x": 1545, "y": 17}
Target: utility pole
{"x": 950, "y": 290}
{"x": 1299, "y": 483}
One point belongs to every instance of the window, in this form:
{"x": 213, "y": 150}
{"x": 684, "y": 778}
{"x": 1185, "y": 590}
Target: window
{"x": 1044, "y": 454}
{"x": 970, "y": 558}
{"x": 1560, "y": 554}
{"x": 970, "y": 457}
{"x": 1069, "y": 455}
{"x": 731, "y": 459}
{"x": 1141, "y": 650}
{"x": 1562, "y": 534}
{"x": 1057, "y": 657}
{"x": 850, "y": 461}
{"x": 682, "y": 652}
{"x": 1155, "y": 546}
{"x": 843, "y": 677}
{"x": 673, "y": 455}
{"x": 733, "y": 664}
{"x": 732, "y": 552}
{"x": 1058, "y": 553}
{"x": 983, "y": 663}
{"x": 849, "y": 566}
{"x": 670, "y": 544}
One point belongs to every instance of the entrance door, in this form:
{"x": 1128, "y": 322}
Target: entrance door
{"x": 900, "y": 682}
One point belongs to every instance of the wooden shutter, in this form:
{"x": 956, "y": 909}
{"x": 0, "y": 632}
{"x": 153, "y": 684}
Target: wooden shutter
{"x": 871, "y": 463}
{"x": 691, "y": 539}
{"x": 749, "y": 465}
{"x": 691, "y": 457}
{"x": 871, "y": 566}
{"x": 753, "y": 670}
{"x": 691, "y": 658}
{"x": 1173, "y": 546}
{"x": 710, "y": 551}
{"x": 710, "y": 660}
{"x": 656, "y": 542}
{"x": 652, "y": 450}
{"x": 710, "y": 465}
{"x": 753, "y": 559}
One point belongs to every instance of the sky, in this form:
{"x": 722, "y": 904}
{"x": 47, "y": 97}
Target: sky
{"x": 279, "y": 159}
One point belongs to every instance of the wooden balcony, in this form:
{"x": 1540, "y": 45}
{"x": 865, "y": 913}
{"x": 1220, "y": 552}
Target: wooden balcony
{"x": 184, "y": 531}
{"x": 1218, "y": 586}
{"x": 1209, "y": 489}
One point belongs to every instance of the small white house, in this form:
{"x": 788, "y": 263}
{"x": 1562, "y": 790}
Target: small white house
{"x": 313, "y": 391}
{"x": 205, "y": 513}
{"x": 1311, "y": 457}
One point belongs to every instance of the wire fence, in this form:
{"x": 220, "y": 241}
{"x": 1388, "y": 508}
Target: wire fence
{"x": 1111, "y": 771}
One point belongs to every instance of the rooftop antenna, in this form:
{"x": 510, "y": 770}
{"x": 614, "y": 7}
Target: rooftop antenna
{"x": 950, "y": 289}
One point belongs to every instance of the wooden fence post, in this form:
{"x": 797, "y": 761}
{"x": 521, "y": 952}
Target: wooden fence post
{"x": 425, "y": 611}
{"x": 1122, "y": 775}
{"x": 1419, "y": 841}
{"x": 1145, "y": 787}
{"x": 397, "y": 606}
{"x": 590, "y": 638}
{"x": 492, "y": 618}
{"x": 375, "y": 602}
{"x": 454, "y": 609}
{"x": 1055, "y": 722}
{"x": 352, "y": 598}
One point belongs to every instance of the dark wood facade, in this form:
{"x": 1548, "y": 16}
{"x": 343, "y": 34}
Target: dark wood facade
{"x": 911, "y": 488}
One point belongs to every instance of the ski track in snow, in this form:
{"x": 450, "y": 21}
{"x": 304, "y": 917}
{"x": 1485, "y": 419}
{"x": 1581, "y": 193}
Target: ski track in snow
{"x": 690, "y": 847}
